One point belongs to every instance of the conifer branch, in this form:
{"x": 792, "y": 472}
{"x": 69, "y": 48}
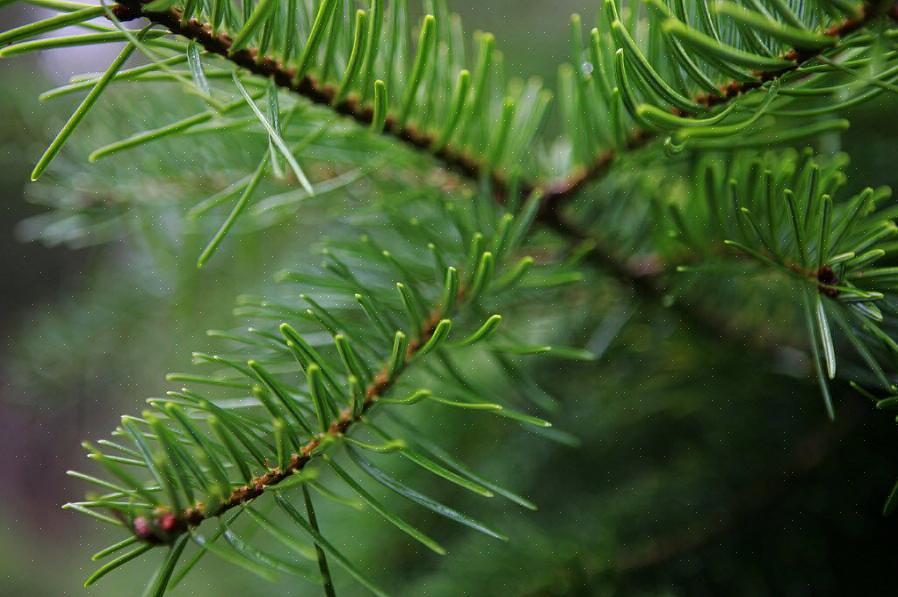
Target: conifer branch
{"x": 555, "y": 192}
{"x": 345, "y": 380}
{"x": 311, "y": 89}
{"x": 167, "y": 526}
{"x": 559, "y": 191}
{"x": 646, "y": 278}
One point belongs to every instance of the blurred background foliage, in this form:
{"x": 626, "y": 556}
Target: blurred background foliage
{"x": 704, "y": 468}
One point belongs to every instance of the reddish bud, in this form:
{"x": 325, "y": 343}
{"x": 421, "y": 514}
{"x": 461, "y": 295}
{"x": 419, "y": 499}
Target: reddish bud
{"x": 142, "y": 528}
{"x": 168, "y": 522}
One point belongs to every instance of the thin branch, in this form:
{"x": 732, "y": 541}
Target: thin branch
{"x": 561, "y": 190}
{"x": 171, "y": 525}
{"x": 554, "y": 192}
{"x": 307, "y": 87}
{"x": 646, "y": 278}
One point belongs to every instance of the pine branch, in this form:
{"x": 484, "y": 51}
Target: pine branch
{"x": 560, "y": 191}
{"x": 167, "y": 527}
{"x": 313, "y": 90}
{"x": 777, "y": 221}
{"x": 555, "y": 193}
{"x": 809, "y": 46}
{"x": 207, "y": 458}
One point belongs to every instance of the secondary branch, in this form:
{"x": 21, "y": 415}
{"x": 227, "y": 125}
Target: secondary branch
{"x": 165, "y": 527}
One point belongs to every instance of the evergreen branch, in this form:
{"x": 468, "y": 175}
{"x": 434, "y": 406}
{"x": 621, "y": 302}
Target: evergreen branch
{"x": 315, "y": 91}
{"x": 173, "y": 525}
{"x": 779, "y": 218}
{"x": 296, "y": 77}
{"x": 559, "y": 191}
{"x": 555, "y": 192}
{"x": 191, "y": 467}
{"x": 771, "y": 71}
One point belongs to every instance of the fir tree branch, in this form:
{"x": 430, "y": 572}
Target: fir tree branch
{"x": 167, "y": 527}
{"x": 556, "y": 192}
{"x": 647, "y": 280}
{"x": 311, "y": 89}
{"x": 205, "y": 459}
{"x": 559, "y": 191}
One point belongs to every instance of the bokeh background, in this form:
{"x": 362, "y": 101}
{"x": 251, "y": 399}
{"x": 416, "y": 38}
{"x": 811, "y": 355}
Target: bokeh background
{"x": 704, "y": 469}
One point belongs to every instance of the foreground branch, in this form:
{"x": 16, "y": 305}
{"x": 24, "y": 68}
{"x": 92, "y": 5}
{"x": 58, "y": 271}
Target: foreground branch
{"x": 168, "y": 526}
{"x": 555, "y": 193}
{"x": 309, "y": 88}
{"x": 644, "y": 278}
